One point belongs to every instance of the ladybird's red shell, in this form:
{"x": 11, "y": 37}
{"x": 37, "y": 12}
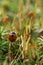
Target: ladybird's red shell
{"x": 12, "y": 37}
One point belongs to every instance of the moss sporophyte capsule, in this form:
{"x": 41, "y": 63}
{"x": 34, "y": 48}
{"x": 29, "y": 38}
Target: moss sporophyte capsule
{"x": 31, "y": 14}
{"x": 5, "y": 19}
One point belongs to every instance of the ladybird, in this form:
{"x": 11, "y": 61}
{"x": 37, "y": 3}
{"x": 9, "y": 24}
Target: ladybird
{"x": 12, "y": 36}
{"x": 5, "y": 19}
